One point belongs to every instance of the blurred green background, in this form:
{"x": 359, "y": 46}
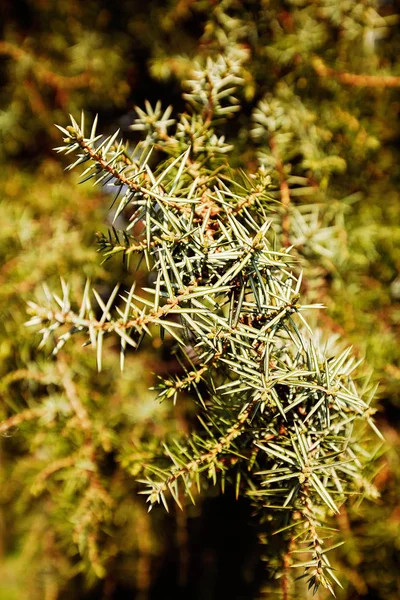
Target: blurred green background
{"x": 69, "y": 529}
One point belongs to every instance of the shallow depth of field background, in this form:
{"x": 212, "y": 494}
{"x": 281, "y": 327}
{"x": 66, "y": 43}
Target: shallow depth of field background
{"x": 61, "y": 56}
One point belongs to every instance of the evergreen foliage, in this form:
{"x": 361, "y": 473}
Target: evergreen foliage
{"x": 236, "y": 220}
{"x": 271, "y": 403}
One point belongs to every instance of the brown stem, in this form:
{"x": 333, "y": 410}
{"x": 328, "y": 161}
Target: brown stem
{"x": 57, "y": 465}
{"x": 359, "y": 80}
{"x": 141, "y": 321}
{"x": 26, "y": 415}
{"x": 45, "y": 75}
{"x": 105, "y": 166}
{"x": 187, "y": 381}
{"x": 201, "y": 209}
{"x": 35, "y": 99}
{"x": 73, "y": 398}
{"x": 26, "y": 374}
{"x": 235, "y": 431}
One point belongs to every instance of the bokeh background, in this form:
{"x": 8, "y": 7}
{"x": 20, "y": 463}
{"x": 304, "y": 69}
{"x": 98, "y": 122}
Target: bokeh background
{"x": 67, "y": 530}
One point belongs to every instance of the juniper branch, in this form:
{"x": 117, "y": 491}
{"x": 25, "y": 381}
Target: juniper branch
{"x": 224, "y": 288}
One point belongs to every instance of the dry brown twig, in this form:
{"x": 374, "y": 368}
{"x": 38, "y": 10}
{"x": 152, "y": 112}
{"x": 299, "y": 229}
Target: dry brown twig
{"x": 360, "y": 80}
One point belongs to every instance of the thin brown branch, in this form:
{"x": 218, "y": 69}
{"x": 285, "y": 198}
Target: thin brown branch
{"x": 26, "y": 374}
{"x": 132, "y": 185}
{"x": 45, "y": 75}
{"x": 233, "y": 432}
{"x": 247, "y": 202}
{"x": 56, "y": 465}
{"x": 192, "y": 377}
{"x": 73, "y": 397}
{"x": 35, "y": 100}
{"x": 139, "y": 247}
{"x": 93, "y": 555}
{"x": 97, "y": 158}
{"x": 359, "y": 80}
{"x": 70, "y": 318}
{"x": 25, "y": 415}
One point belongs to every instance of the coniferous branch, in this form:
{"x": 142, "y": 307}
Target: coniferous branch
{"x": 332, "y": 160}
{"x": 226, "y": 290}
{"x": 279, "y": 419}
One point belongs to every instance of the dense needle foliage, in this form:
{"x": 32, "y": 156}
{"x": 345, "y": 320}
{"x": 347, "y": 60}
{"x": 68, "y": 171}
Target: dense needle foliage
{"x": 236, "y": 221}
